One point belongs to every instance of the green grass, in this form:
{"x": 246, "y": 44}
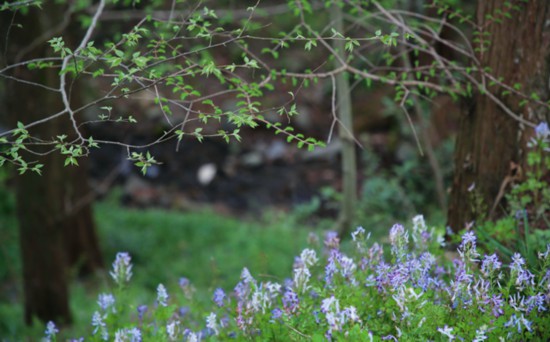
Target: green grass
{"x": 207, "y": 248}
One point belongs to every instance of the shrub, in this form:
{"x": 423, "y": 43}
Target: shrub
{"x": 411, "y": 293}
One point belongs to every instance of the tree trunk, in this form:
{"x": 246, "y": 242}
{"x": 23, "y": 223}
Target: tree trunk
{"x": 490, "y": 142}
{"x": 345, "y": 132}
{"x": 54, "y": 210}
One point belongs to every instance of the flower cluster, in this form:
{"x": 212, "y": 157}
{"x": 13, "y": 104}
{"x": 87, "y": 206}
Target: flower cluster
{"x": 356, "y": 294}
{"x": 122, "y": 268}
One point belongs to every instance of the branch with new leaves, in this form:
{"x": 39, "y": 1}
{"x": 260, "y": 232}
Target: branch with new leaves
{"x": 191, "y": 60}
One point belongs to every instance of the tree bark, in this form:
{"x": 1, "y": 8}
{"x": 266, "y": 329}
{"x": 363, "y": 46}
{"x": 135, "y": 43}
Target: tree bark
{"x": 490, "y": 142}
{"x": 54, "y": 210}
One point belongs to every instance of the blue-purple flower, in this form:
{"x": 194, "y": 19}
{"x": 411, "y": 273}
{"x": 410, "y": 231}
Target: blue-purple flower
{"x": 128, "y": 335}
{"x": 99, "y": 326}
{"x": 542, "y": 131}
{"x": 490, "y": 264}
{"x": 331, "y": 240}
{"x": 142, "y": 309}
{"x": 162, "y": 295}
{"x": 105, "y": 301}
{"x": 51, "y": 331}
{"x": 184, "y": 282}
{"x": 399, "y": 239}
{"x": 212, "y": 324}
{"x": 448, "y": 332}
{"x": 276, "y": 314}
{"x": 518, "y": 322}
{"x": 219, "y": 297}
{"x": 122, "y": 268}
{"x": 290, "y": 301}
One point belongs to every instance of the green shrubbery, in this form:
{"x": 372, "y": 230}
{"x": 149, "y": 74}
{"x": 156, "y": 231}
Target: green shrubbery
{"x": 410, "y": 294}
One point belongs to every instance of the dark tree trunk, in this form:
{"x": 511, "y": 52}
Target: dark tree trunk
{"x": 490, "y": 142}
{"x": 54, "y": 210}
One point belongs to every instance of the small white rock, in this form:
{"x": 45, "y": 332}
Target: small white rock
{"x": 207, "y": 173}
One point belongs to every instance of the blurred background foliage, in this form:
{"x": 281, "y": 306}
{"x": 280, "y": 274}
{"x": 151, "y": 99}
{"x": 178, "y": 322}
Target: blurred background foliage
{"x": 175, "y": 227}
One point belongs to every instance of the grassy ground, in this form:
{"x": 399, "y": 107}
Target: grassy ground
{"x": 206, "y": 248}
{"x": 209, "y": 249}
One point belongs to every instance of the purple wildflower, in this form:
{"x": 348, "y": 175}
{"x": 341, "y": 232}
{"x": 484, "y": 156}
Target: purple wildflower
{"x": 542, "y": 131}
{"x": 537, "y": 301}
{"x": 490, "y": 264}
{"x": 246, "y": 276}
{"x": 375, "y": 254}
{"x": 518, "y": 322}
{"x": 51, "y": 331}
{"x": 122, "y": 268}
{"x": 134, "y": 334}
{"x": 517, "y": 262}
{"x": 464, "y": 277}
{"x": 211, "y": 323}
{"x": 290, "y": 301}
{"x": 481, "y": 289}
{"x": 105, "y": 301}
{"x": 382, "y": 276}
{"x": 297, "y": 263}
{"x": 219, "y": 297}
{"x": 308, "y": 257}
{"x": 398, "y": 276}
{"x": 447, "y": 331}
{"x": 184, "y": 282}
{"x": 301, "y": 279}
{"x": 172, "y": 329}
{"x": 330, "y": 268}
{"x": 331, "y": 240}
{"x": 496, "y": 302}
{"x": 467, "y": 249}
{"x": 525, "y": 279}
{"x": 420, "y": 234}
{"x": 162, "y": 295}
{"x": 350, "y": 314}
{"x": 481, "y": 334}
{"x": 358, "y": 234}
{"x": 468, "y": 238}
{"x": 242, "y": 290}
{"x": 288, "y": 283}
{"x": 260, "y": 300}
{"x": 99, "y": 325}
{"x": 274, "y": 289}
{"x": 276, "y": 314}
{"x": 142, "y": 309}
{"x": 244, "y": 320}
{"x": 399, "y": 239}
{"x": 347, "y": 269}
{"x": 183, "y": 311}
{"x": 330, "y": 304}
{"x": 440, "y": 271}
{"x": 128, "y": 335}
